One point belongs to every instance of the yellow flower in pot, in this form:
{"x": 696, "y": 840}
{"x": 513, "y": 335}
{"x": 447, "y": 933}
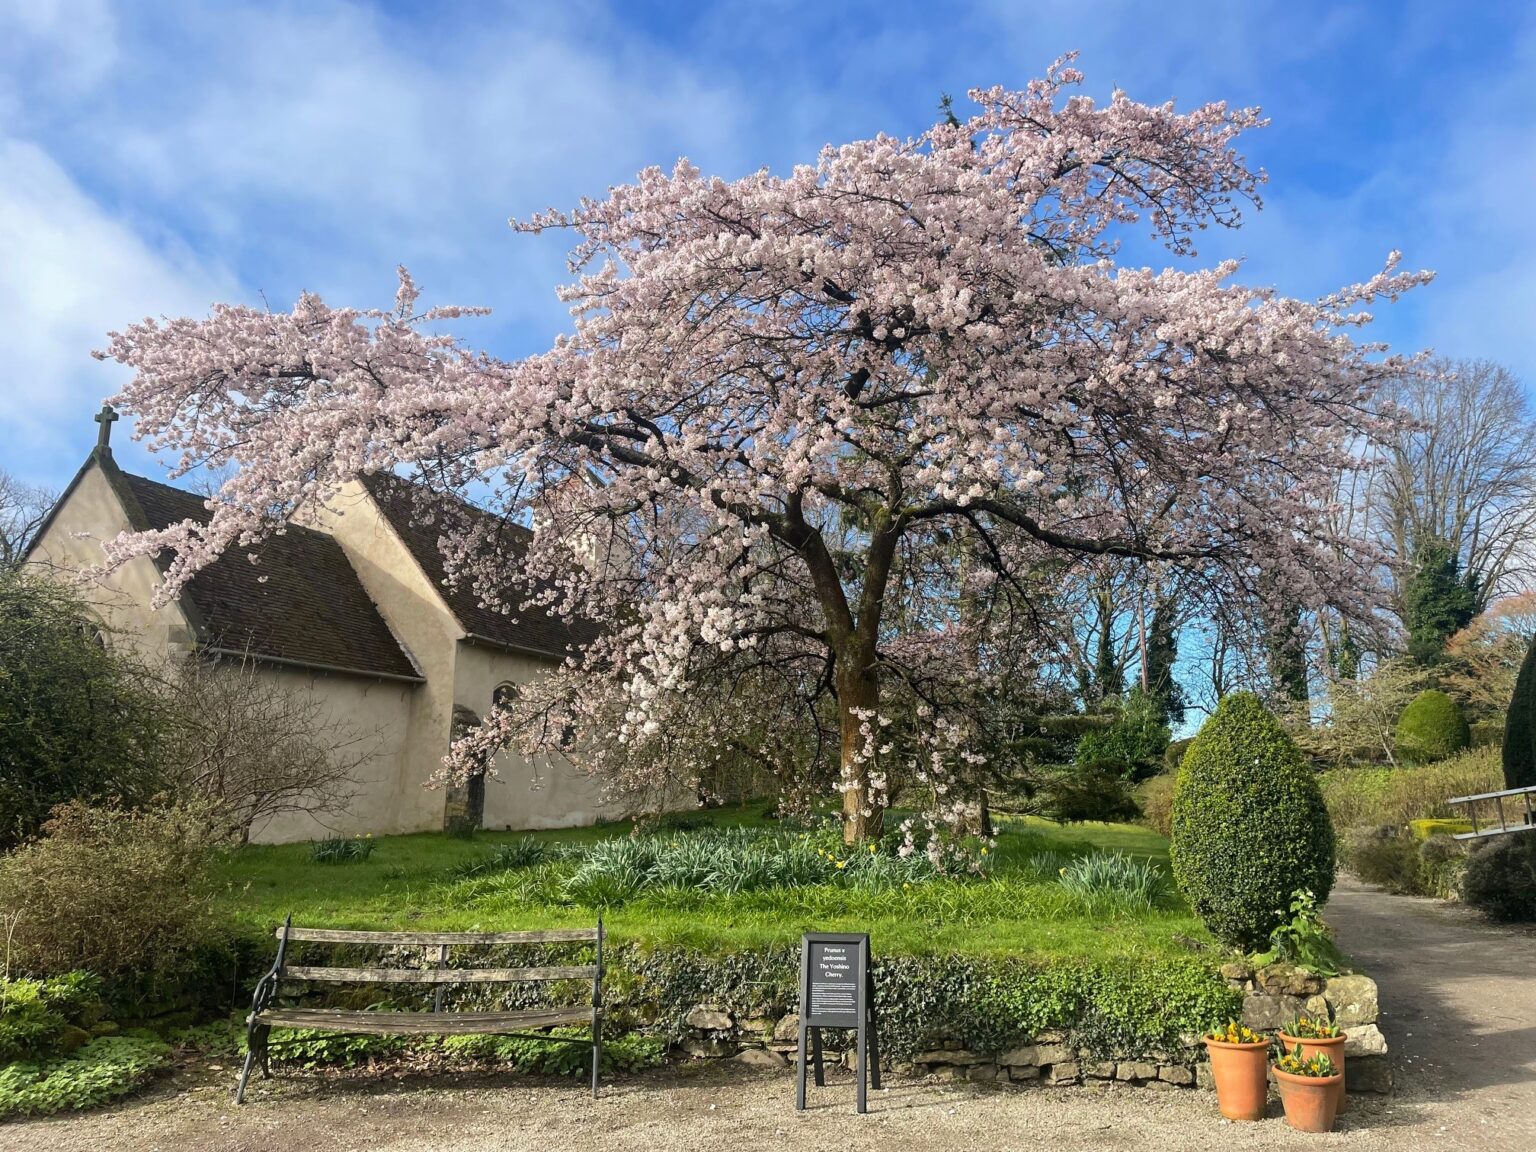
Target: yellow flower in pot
{"x": 1309, "y": 1090}
{"x": 1240, "y": 1067}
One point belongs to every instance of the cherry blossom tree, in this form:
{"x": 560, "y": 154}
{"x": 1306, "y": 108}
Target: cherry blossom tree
{"x": 911, "y": 373}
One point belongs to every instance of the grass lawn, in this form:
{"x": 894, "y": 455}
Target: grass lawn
{"x": 1020, "y": 907}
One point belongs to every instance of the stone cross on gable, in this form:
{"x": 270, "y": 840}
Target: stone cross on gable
{"x": 105, "y": 418}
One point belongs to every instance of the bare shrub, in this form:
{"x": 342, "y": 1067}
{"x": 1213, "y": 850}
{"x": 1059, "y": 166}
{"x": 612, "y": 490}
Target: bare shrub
{"x": 255, "y": 747}
{"x": 1155, "y": 796}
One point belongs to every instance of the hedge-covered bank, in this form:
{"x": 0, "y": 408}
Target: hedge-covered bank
{"x": 707, "y": 1004}
{"x": 1117, "y": 1007}
{"x": 1019, "y": 1019}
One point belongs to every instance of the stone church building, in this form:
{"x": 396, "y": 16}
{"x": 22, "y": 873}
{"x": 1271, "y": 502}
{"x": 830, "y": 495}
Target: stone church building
{"x": 355, "y": 610}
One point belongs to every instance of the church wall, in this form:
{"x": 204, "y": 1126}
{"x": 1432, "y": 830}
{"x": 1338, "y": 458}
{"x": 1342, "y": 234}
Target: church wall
{"x": 406, "y": 727}
{"x": 544, "y": 791}
{"x": 376, "y": 714}
{"x": 90, "y": 516}
{"x": 419, "y": 619}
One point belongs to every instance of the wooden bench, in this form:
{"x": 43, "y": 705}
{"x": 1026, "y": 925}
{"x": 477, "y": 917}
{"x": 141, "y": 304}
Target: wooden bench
{"x": 266, "y": 1014}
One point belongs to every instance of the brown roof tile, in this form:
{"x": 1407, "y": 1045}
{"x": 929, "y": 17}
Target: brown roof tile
{"x": 311, "y": 608}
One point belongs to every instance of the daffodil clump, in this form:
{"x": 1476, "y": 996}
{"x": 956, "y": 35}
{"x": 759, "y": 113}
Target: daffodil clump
{"x": 1234, "y": 1033}
{"x": 1315, "y": 1067}
{"x": 1313, "y": 1028}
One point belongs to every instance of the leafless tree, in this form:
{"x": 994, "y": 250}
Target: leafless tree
{"x": 23, "y": 507}
{"x": 1462, "y": 473}
{"x": 257, "y": 747}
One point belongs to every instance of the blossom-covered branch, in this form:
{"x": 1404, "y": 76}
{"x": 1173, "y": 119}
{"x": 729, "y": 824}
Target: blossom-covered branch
{"x": 787, "y": 400}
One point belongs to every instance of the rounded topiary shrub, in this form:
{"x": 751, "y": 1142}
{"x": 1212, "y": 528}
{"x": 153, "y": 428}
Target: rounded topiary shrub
{"x": 1501, "y": 877}
{"x": 1431, "y": 728}
{"x": 1249, "y": 825}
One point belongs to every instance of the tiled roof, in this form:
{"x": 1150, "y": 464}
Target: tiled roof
{"x": 418, "y": 515}
{"x": 302, "y": 602}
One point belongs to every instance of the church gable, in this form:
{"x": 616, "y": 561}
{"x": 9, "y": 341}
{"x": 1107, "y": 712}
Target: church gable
{"x": 301, "y": 603}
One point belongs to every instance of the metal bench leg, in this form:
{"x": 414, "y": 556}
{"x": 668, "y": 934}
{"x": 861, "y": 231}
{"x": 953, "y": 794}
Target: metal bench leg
{"x": 266, "y": 1055}
{"x": 245, "y": 1075}
{"x": 597, "y": 1051}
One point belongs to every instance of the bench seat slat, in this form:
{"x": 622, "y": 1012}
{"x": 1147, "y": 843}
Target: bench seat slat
{"x": 437, "y": 975}
{"x": 436, "y": 939}
{"x": 422, "y": 1023}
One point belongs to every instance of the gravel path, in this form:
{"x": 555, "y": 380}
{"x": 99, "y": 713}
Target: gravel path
{"x": 1460, "y": 999}
{"x": 716, "y": 1108}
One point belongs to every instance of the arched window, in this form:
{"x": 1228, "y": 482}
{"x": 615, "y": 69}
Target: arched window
{"x": 505, "y": 694}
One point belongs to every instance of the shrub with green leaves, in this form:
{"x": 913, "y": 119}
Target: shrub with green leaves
{"x": 1431, "y": 728}
{"x": 1133, "y": 744}
{"x": 1249, "y": 825}
{"x": 1500, "y": 879}
{"x": 36, "y": 1014}
{"x": 1399, "y": 860}
{"x": 102, "y": 1070}
{"x": 1077, "y": 793}
{"x": 1304, "y": 940}
{"x": 77, "y": 720}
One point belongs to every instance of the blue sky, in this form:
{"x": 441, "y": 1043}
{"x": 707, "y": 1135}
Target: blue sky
{"x": 156, "y": 157}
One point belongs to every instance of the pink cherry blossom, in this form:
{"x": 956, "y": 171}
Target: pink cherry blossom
{"x": 788, "y": 403}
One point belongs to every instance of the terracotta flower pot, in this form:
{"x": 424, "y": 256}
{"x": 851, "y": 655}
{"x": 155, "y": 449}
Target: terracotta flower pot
{"x": 1241, "y": 1072}
{"x": 1309, "y": 1100}
{"x": 1332, "y": 1048}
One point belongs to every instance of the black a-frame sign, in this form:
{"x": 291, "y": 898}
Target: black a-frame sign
{"x": 837, "y": 990}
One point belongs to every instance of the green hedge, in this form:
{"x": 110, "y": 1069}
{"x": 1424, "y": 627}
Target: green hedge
{"x": 1128, "y": 1006}
{"x": 1249, "y": 825}
{"x": 1431, "y": 728}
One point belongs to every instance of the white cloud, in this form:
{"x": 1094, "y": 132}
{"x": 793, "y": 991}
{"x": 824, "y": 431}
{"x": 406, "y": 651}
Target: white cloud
{"x": 306, "y": 147}
{"x": 156, "y": 156}
{"x": 69, "y": 271}
{"x": 334, "y": 129}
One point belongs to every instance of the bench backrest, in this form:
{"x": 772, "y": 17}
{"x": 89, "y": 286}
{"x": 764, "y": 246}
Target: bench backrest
{"x": 442, "y": 941}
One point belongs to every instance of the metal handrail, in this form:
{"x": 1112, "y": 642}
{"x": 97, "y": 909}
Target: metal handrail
{"x": 1504, "y": 827}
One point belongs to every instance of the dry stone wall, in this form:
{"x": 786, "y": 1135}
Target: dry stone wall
{"x": 1271, "y": 997}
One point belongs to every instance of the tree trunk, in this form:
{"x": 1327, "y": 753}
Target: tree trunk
{"x": 863, "y": 813}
